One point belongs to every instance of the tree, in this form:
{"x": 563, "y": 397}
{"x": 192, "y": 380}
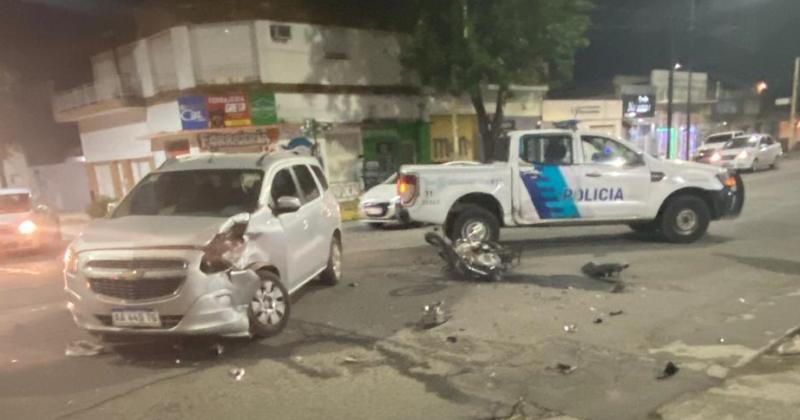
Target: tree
{"x": 460, "y": 46}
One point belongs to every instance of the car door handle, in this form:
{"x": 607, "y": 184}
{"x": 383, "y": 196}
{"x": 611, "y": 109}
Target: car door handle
{"x": 594, "y": 174}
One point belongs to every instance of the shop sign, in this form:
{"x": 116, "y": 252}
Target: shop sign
{"x": 263, "y": 110}
{"x": 639, "y": 106}
{"x": 228, "y": 111}
{"x": 193, "y": 112}
{"x": 215, "y": 141}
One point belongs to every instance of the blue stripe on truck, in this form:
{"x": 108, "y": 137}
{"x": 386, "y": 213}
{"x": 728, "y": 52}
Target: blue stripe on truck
{"x": 549, "y": 192}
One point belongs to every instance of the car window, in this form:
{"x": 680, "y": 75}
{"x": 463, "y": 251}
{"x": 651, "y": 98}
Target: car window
{"x": 602, "y": 150}
{"x": 321, "y": 177}
{"x": 283, "y": 185}
{"x": 549, "y": 149}
{"x": 307, "y": 184}
{"x": 744, "y": 141}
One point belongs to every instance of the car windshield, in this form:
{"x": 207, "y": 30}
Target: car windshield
{"x": 722, "y": 138}
{"x": 740, "y": 142}
{"x": 214, "y": 193}
{"x": 15, "y": 203}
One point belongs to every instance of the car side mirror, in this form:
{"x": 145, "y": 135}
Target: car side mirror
{"x": 287, "y": 204}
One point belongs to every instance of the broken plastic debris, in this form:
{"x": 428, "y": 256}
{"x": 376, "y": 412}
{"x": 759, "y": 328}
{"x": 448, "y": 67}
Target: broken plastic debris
{"x": 351, "y": 359}
{"x": 669, "y": 370}
{"x": 82, "y": 348}
{"x": 570, "y": 328}
{"x": 433, "y": 315}
{"x": 564, "y": 368}
{"x": 598, "y": 320}
{"x": 790, "y": 347}
{"x": 353, "y": 284}
{"x": 615, "y": 313}
{"x": 604, "y": 271}
{"x": 236, "y": 373}
{"x": 452, "y": 339}
{"x": 592, "y": 308}
{"x": 742, "y": 300}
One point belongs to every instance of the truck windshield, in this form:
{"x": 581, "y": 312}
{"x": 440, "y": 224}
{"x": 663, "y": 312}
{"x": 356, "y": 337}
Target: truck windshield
{"x": 15, "y": 203}
{"x": 212, "y": 193}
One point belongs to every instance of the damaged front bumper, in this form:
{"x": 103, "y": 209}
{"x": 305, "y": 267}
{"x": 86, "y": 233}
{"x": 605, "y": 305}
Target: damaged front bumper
{"x": 177, "y": 299}
{"x": 729, "y": 201}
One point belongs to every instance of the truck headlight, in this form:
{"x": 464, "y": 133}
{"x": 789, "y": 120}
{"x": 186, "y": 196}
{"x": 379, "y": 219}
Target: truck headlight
{"x": 728, "y": 180}
{"x": 27, "y": 227}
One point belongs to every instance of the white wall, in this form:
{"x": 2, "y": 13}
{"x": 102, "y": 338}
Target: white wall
{"x": 162, "y": 62}
{"x": 370, "y": 57}
{"x": 182, "y": 59}
{"x": 603, "y": 116}
{"x": 295, "y": 107}
{"x": 16, "y": 170}
{"x": 143, "y": 68}
{"x": 123, "y": 142}
{"x": 223, "y": 53}
{"x": 164, "y": 117}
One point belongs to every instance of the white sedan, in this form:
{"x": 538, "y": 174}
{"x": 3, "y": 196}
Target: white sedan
{"x": 748, "y": 153}
{"x": 379, "y": 205}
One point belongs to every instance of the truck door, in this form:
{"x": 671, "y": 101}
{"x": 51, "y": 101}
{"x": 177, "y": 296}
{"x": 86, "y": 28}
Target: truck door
{"x": 544, "y": 178}
{"x": 614, "y": 180}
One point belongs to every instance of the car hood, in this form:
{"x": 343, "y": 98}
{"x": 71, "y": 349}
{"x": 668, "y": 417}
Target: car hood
{"x": 13, "y": 218}
{"x": 734, "y": 152}
{"x": 682, "y": 167}
{"x": 382, "y": 193}
{"x": 711, "y": 146}
{"x": 135, "y": 232}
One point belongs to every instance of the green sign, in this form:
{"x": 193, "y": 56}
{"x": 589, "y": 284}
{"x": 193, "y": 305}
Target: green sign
{"x": 263, "y": 110}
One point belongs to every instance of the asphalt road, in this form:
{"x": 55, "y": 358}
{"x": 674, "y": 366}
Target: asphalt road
{"x": 353, "y": 351}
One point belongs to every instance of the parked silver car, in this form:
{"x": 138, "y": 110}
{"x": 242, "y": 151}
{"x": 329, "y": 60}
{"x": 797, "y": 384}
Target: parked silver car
{"x": 749, "y": 152}
{"x": 208, "y": 244}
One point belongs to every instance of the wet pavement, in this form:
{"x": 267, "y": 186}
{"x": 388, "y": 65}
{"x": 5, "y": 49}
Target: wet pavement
{"x": 712, "y": 308}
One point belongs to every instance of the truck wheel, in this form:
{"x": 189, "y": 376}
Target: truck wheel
{"x": 475, "y": 223}
{"x": 685, "y": 219}
{"x": 269, "y": 309}
{"x": 333, "y": 271}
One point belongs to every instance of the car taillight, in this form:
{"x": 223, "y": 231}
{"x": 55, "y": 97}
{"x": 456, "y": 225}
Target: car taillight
{"x": 407, "y": 188}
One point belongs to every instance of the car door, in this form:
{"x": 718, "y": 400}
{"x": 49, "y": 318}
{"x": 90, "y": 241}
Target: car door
{"x": 773, "y": 149}
{"x": 315, "y": 224}
{"x": 614, "y": 180}
{"x": 295, "y": 228}
{"x": 544, "y": 178}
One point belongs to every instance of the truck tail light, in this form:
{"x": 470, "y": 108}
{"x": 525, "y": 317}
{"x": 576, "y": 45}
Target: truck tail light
{"x": 407, "y": 188}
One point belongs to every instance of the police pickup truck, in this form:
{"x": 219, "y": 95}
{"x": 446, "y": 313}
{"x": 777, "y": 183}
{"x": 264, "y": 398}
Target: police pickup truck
{"x": 566, "y": 177}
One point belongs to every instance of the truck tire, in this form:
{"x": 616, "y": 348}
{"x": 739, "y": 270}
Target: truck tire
{"x": 269, "y": 309}
{"x": 482, "y": 224}
{"x": 685, "y": 219}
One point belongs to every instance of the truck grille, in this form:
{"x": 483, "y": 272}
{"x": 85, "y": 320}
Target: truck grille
{"x": 136, "y": 289}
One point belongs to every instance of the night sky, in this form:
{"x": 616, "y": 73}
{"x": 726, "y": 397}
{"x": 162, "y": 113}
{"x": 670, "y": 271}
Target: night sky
{"x": 736, "y": 41}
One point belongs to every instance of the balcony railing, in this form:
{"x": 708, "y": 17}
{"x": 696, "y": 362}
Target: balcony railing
{"x": 118, "y": 87}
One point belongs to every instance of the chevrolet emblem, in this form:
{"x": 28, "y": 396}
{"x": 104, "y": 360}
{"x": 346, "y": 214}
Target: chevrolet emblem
{"x": 131, "y": 275}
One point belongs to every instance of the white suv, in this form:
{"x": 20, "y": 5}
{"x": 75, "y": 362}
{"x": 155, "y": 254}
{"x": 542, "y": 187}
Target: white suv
{"x": 207, "y": 244}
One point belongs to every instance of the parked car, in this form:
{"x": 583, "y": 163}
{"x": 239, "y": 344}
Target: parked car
{"x": 564, "y": 177}
{"x": 207, "y": 244}
{"x": 379, "y": 205}
{"x": 747, "y": 153}
{"x": 713, "y": 143}
{"x": 25, "y": 226}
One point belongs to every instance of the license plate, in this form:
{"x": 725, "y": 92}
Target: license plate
{"x": 139, "y": 318}
{"x": 374, "y": 211}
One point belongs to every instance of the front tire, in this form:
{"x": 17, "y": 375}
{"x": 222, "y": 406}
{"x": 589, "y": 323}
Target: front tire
{"x": 269, "y": 308}
{"x": 474, "y": 223}
{"x": 685, "y": 219}
{"x": 333, "y": 271}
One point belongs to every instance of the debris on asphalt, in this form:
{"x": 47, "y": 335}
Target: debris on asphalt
{"x": 618, "y": 287}
{"x": 722, "y": 340}
{"x": 717, "y": 371}
{"x": 563, "y": 368}
{"x": 615, "y": 313}
{"x": 790, "y": 347}
{"x": 433, "y": 315}
{"x": 605, "y": 270}
{"x": 351, "y": 359}
{"x": 81, "y": 348}
{"x": 236, "y": 373}
{"x": 742, "y": 300}
{"x": 452, "y": 339}
{"x": 570, "y": 328}
{"x": 14, "y": 361}
{"x": 592, "y": 308}
{"x": 218, "y": 349}
{"x": 298, "y": 359}
{"x": 669, "y": 370}
{"x": 353, "y": 284}
{"x": 598, "y": 320}
{"x": 517, "y": 412}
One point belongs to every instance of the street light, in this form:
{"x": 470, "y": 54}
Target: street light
{"x": 678, "y": 66}
{"x": 761, "y": 86}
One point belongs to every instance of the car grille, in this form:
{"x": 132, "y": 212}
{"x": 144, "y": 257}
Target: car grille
{"x": 136, "y": 289}
{"x": 167, "y": 321}
{"x": 138, "y": 264}
{"x": 729, "y": 157}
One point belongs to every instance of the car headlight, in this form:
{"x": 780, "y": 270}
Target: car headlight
{"x": 742, "y": 155}
{"x": 715, "y": 157}
{"x": 27, "y": 227}
{"x": 70, "y": 261}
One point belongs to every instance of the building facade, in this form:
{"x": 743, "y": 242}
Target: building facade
{"x": 244, "y": 86}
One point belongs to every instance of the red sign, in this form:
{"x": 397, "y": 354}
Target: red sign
{"x": 228, "y": 111}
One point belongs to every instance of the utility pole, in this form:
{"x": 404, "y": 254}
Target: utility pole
{"x": 793, "y": 117}
{"x": 670, "y": 88}
{"x": 689, "y": 58}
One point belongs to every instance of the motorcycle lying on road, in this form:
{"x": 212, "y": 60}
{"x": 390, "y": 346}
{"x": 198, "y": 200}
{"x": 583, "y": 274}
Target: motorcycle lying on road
{"x": 479, "y": 260}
